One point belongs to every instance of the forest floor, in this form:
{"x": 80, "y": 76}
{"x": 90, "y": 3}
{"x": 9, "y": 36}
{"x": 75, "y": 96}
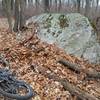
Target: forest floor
{"x": 36, "y": 62}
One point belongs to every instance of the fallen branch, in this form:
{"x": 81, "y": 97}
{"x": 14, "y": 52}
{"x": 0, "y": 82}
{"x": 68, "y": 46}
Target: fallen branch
{"x": 25, "y": 41}
{"x": 77, "y": 68}
{"x": 73, "y": 67}
{"x": 81, "y": 95}
{"x": 93, "y": 75}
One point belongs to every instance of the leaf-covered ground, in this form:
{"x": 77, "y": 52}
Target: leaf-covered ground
{"x": 26, "y": 50}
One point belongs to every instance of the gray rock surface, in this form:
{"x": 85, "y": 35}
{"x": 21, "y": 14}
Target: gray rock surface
{"x": 72, "y": 32}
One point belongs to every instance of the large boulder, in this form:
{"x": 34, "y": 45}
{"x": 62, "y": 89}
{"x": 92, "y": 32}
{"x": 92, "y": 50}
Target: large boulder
{"x": 72, "y": 32}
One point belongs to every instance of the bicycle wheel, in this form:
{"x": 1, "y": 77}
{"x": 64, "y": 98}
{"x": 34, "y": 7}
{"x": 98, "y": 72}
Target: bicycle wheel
{"x": 17, "y": 95}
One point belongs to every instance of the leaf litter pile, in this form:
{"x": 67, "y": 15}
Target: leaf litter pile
{"x": 52, "y": 73}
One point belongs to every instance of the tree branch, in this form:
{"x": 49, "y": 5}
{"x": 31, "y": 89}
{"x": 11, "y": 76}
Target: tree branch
{"x": 77, "y": 68}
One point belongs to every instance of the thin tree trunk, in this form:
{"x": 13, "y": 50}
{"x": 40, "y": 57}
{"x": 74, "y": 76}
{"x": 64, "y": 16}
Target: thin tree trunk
{"x": 50, "y": 3}
{"x": 74, "y": 5}
{"x": 46, "y": 6}
{"x": 37, "y": 3}
{"x": 7, "y": 9}
{"x": 78, "y": 5}
{"x": 68, "y": 3}
{"x": 60, "y": 5}
{"x": 12, "y": 5}
{"x": 97, "y": 4}
{"x": 87, "y": 8}
{"x": 56, "y": 5}
{"x": 82, "y": 4}
{"x": 17, "y": 14}
{"x": 22, "y": 15}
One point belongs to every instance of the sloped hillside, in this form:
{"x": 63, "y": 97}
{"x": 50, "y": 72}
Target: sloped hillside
{"x": 38, "y": 64}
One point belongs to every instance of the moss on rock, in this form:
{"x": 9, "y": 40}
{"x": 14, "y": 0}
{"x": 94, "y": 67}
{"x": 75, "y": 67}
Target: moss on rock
{"x": 63, "y": 21}
{"x": 48, "y": 21}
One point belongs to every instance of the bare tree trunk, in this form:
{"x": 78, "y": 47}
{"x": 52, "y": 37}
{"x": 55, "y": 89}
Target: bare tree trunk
{"x": 97, "y": 4}
{"x": 78, "y": 5}
{"x": 68, "y": 3}
{"x": 60, "y": 5}
{"x": 87, "y": 8}
{"x": 75, "y": 4}
{"x": 17, "y": 14}
{"x": 50, "y": 3}
{"x": 22, "y": 15}
{"x": 93, "y": 3}
{"x": 30, "y": 1}
{"x": 82, "y": 4}
{"x": 12, "y": 5}
{"x": 7, "y": 9}
{"x": 46, "y": 6}
{"x": 56, "y": 5}
{"x": 36, "y": 3}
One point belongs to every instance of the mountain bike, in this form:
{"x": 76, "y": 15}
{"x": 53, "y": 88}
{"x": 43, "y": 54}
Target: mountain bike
{"x": 12, "y": 88}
